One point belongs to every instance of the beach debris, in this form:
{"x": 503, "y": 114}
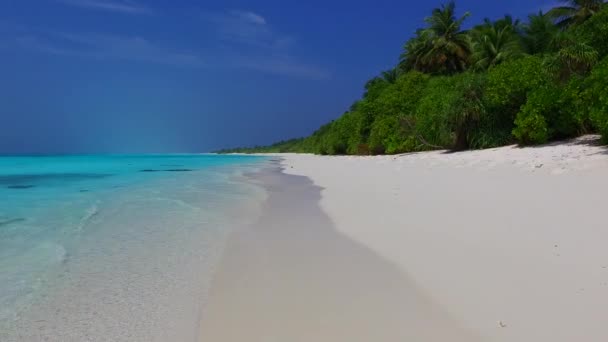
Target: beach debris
{"x": 538, "y": 166}
{"x": 502, "y": 324}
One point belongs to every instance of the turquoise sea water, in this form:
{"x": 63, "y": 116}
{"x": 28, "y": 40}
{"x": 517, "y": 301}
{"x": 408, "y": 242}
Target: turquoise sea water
{"x": 115, "y": 247}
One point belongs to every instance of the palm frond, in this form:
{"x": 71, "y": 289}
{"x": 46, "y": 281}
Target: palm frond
{"x": 575, "y": 12}
{"x": 579, "y": 54}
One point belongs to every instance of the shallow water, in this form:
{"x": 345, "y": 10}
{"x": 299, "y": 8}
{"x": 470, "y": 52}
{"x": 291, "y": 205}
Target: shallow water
{"x": 115, "y": 248}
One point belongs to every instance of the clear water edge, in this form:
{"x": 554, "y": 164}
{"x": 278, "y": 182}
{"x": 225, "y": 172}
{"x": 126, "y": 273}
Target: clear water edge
{"x": 93, "y": 242}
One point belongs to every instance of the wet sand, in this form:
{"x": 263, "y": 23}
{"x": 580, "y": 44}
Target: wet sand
{"x": 292, "y": 277}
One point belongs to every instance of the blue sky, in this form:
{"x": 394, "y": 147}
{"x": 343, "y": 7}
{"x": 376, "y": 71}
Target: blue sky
{"x": 88, "y": 76}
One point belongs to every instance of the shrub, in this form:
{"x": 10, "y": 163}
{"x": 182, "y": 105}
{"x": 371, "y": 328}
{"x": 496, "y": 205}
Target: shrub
{"x": 468, "y": 108}
{"x": 396, "y": 102}
{"x": 531, "y": 128}
{"x": 359, "y": 126}
{"x": 387, "y": 136}
{"x": 492, "y": 130}
{"x": 431, "y": 119}
{"x": 572, "y": 101}
{"x": 509, "y": 83}
{"x": 550, "y": 113}
{"x": 402, "y": 98}
{"x": 595, "y": 96}
{"x": 530, "y": 124}
{"x": 450, "y": 109}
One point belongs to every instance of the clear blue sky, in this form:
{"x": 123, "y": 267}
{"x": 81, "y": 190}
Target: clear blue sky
{"x": 83, "y": 76}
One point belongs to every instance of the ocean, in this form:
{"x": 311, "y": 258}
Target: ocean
{"x": 116, "y": 247}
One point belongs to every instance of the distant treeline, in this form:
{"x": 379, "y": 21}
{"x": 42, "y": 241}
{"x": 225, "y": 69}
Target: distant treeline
{"x": 501, "y": 82}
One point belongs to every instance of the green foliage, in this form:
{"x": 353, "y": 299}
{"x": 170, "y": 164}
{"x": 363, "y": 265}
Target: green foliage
{"x": 574, "y": 106}
{"x": 500, "y": 82}
{"x": 575, "y": 12}
{"x": 292, "y": 145}
{"x": 510, "y": 82}
{"x": 431, "y": 119}
{"x": 549, "y": 113}
{"x": 449, "y": 109}
{"x": 402, "y": 98}
{"x": 442, "y": 47}
{"x": 495, "y": 42}
{"x": 388, "y": 134}
{"x": 539, "y": 34}
{"x": 469, "y": 108}
{"x": 491, "y": 131}
{"x": 578, "y": 56}
{"x": 573, "y": 57}
{"x": 530, "y": 124}
{"x": 594, "y": 32}
{"x": 414, "y": 52}
{"x": 531, "y": 128}
{"x": 595, "y": 96}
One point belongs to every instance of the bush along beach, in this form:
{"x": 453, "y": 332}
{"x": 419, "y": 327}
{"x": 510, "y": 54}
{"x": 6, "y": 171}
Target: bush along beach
{"x": 501, "y": 82}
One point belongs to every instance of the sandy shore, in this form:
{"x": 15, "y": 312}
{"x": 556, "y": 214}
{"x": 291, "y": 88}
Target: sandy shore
{"x": 506, "y": 244}
{"x": 512, "y": 242}
{"x": 292, "y": 277}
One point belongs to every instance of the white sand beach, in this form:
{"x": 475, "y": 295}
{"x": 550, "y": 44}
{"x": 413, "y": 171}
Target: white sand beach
{"x": 512, "y": 242}
{"x": 507, "y": 244}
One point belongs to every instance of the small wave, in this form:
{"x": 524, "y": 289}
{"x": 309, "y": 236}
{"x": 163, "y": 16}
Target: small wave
{"x": 90, "y": 213}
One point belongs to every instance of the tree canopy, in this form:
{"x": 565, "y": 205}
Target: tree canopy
{"x": 503, "y": 81}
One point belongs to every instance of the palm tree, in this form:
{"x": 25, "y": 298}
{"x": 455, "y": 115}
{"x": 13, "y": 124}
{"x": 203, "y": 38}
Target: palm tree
{"x": 540, "y": 35}
{"x": 442, "y": 47}
{"x": 575, "y": 11}
{"x": 578, "y": 57}
{"x": 495, "y": 42}
{"x": 415, "y": 50}
{"x": 573, "y": 57}
{"x": 506, "y": 22}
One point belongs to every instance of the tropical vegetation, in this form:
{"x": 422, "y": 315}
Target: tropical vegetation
{"x": 502, "y": 81}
